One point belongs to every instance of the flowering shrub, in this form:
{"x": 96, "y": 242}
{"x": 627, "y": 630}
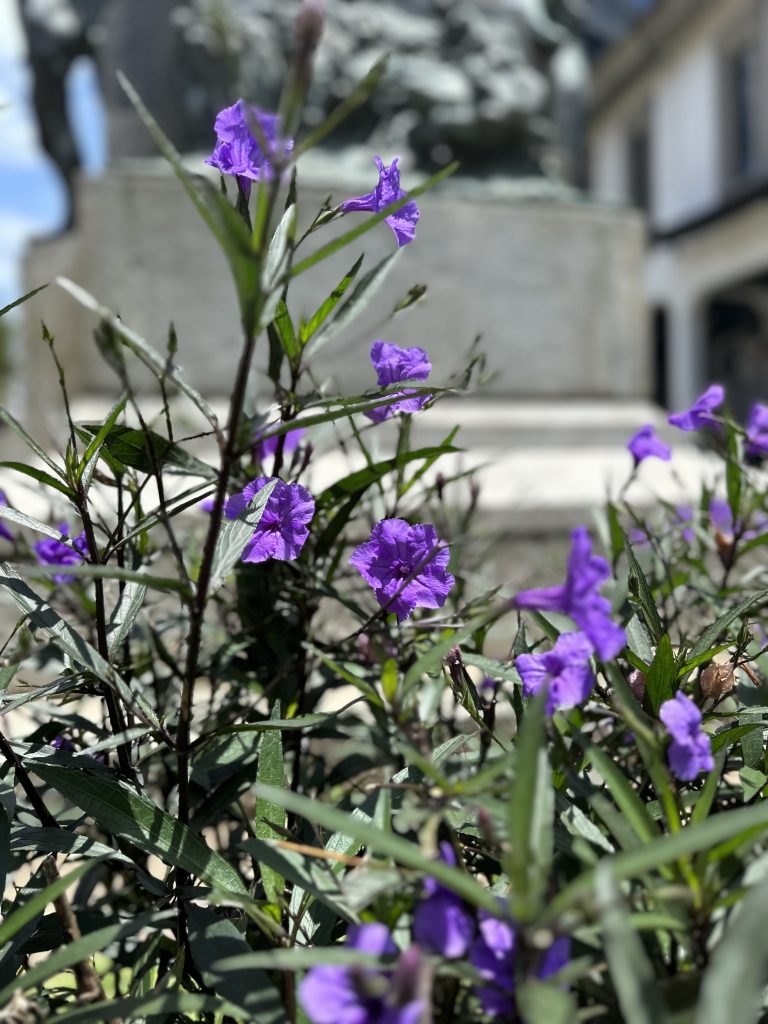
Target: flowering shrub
{"x": 284, "y": 763}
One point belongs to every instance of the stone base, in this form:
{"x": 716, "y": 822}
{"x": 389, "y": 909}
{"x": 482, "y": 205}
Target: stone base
{"x": 554, "y": 289}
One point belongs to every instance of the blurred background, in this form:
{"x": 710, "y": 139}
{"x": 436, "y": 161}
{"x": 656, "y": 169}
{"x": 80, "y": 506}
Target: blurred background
{"x": 606, "y": 237}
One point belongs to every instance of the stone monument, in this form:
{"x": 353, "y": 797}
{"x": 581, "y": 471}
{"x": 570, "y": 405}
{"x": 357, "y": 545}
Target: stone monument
{"x": 508, "y": 250}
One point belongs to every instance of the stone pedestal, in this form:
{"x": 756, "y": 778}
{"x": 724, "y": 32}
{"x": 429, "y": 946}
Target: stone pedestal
{"x": 554, "y": 288}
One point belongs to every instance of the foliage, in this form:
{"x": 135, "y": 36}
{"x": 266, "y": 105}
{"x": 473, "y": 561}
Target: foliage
{"x": 277, "y": 761}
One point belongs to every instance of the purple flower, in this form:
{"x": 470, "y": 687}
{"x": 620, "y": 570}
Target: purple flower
{"x": 63, "y": 743}
{"x": 388, "y": 191}
{"x": 645, "y": 445}
{"x": 441, "y": 923}
{"x": 579, "y": 597}
{"x": 282, "y": 529}
{"x": 55, "y": 552}
{"x": 238, "y": 151}
{"x": 700, "y": 413}
{"x": 207, "y": 504}
{"x": 493, "y": 955}
{"x": 352, "y": 994}
{"x": 4, "y": 531}
{"x": 263, "y": 449}
{"x": 684, "y": 518}
{"x": 757, "y": 432}
{"x": 565, "y": 671}
{"x": 407, "y": 566}
{"x": 690, "y": 751}
{"x": 393, "y": 364}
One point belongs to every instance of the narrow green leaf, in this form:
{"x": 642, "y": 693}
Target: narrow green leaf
{"x": 146, "y": 451}
{"x": 235, "y": 534}
{"x": 150, "y": 357}
{"x": 627, "y": 800}
{"x": 325, "y": 309}
{"x": 152, "y": 1005}
{"x": 270, "y": 772}
{"x": 729, "y": 825}
{"x": 124, "y": 615}
{"x": 530, "y": 811}
{"x": 660, "y": 681}
{"x": 214, "y": 939}
{"x": 68, "y": 640}
{"x": 90, "y": 458}
{"x": 647, "y": 603}
{"x": 72, "y": 953}
{"x": 40, "y": 475}
{"x": 363, "y": 292}
{"x": 633, "y": 976}
{"x": 18, "y": 302}
{"x": 37, "y": 903}
{"x": 31, "y": 443}
{"x": 542, "y": 1003}
{"x": 138, "y": 819}
{"x": 711, "y": 635}
{"x": 387, "y": 843}
{"x": 734, "y": 983}
{"x": 276, "y": 260}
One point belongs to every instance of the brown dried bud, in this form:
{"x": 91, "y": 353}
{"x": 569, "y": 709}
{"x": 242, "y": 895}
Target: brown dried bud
{"x": 724, "y": 548}
{"x": 636, "y": 682}
{"x": 716, "y": 680}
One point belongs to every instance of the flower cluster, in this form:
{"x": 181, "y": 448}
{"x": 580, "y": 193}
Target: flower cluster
{"x": 55, "y": 552}
{"x": 365, "y": 995}
{"x": 240, "y": 152}
{"x": 394, "y": 364}
{"x": 283, "y": 528}
{"x": 387, "y": 191}
{"x": 690, "y": 750}
{"x": 407, "y": 566}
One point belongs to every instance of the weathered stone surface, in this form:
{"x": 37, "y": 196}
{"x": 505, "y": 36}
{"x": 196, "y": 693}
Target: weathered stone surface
{"x": 553, "y": 288}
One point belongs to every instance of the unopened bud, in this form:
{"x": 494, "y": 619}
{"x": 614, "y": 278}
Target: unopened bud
{"x": 724, "y": 548}
{"x": 309, "y": 27}
{"x": 636, "y": 682}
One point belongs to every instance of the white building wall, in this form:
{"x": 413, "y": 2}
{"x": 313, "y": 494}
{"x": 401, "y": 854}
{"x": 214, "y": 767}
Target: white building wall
{"x": 685, "y": 146}
{"x": 609, "y": 172}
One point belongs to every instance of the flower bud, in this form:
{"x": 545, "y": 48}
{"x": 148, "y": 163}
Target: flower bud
{"x": 716, "y": 680}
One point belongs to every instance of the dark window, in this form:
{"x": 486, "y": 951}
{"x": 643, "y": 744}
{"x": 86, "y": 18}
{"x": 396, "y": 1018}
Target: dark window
{"x": 741, "y": 114}
{"x": 660, "y": 360}
{"x": 639, "y": 165}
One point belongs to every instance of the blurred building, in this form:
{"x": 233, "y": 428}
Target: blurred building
{"x": 678, "y": 129}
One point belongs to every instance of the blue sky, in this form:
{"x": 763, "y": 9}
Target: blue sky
{"x": 32, "y": 199}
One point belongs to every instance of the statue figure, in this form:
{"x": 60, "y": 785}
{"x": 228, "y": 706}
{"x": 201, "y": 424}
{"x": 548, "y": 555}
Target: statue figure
{"x": 58, "y": 32}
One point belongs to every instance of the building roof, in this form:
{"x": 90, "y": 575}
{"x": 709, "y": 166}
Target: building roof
{"x": 644, "y": 40}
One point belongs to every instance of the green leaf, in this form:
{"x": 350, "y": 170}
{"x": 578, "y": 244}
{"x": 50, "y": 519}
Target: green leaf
{"x": 40, "y": 475}
{"x": 711, "y": 635}
{"x": 31, "y": 443}
{"x": 362, "y": 294}
{"x": 271, "y": 772}
{"x": 138, "y": 819}
{"x": 647, "y": 603}
{"x": 325, "y": 309}
{"x": 627, "y": 799}
{"x": 147, "y": 451}
{"x": 660, "y": 681}
{"x": 213, "y": 939}
{"x": 276, "y": 261}
{"x": 6, "y": 512}
{"x": 124, "y": 615}
{"x": 72, "y": 953}
{"x": 90, "y": 458}
{"x": 235, "y": 534}
{"x": 358, "y": 482}
{"x": 70, "y": 641}
{"x": 160, "y": 366}
{"x": 149, "y": 1006}
{"x": 384, "y": 842}
{"x": 370, "y": 222}
{"x": 729, "y": 825}
{"x": 530, "y": 813}
{"x": 542, "y": 1003}
{"x": 639, "y": 642}
{"x": 18, "y": 302}
{"x": 633, "y": 976}
{"x": 734, "y": 982}
{"x": 37, "y": 903}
